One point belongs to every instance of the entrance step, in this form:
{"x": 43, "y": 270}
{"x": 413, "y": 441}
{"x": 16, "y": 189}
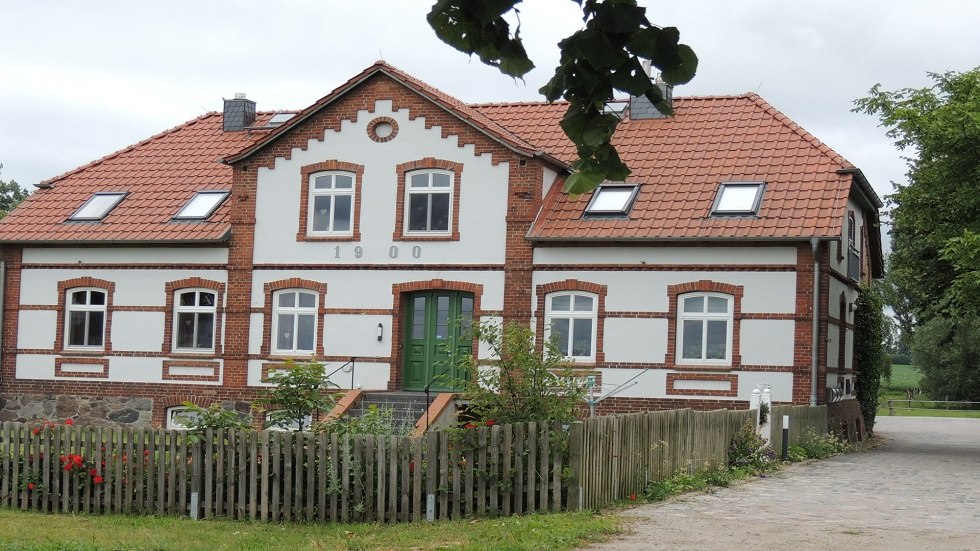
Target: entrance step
{"x": 407, "y": 407}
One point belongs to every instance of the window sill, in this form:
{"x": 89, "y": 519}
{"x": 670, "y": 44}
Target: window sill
{"x": 701, "y": 367}
{"x": 425, "y": 237}
{"x": 83, "y": 352}
{"x": 328, "y": 238}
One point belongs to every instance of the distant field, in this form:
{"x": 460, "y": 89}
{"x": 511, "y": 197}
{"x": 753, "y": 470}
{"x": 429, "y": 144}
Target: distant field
{"x": 909, "y": 376}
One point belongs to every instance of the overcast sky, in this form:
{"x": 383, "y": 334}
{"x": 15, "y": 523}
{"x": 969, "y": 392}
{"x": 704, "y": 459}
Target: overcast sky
{"x": 79, "y": 80}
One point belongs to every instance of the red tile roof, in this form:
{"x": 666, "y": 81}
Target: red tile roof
{"x": 160, "y": 175}
{"x": 681, "y": 161}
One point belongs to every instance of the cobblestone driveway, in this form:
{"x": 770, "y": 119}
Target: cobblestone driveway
{"x": 919, "y": 490}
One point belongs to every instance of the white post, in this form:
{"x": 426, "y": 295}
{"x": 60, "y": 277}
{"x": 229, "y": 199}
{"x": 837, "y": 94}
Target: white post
{"x": 754, "y": 402}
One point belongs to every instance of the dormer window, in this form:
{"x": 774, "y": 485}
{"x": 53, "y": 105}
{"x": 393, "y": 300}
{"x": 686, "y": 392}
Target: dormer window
{"x": 97, "y": 206}
{"x": 201, "y": 206}
{"x": 612, "y": 199}
{"x": 738, "y": 198}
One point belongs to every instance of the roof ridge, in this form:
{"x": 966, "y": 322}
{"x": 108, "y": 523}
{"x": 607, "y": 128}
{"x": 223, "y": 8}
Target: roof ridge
{"x": 128, "y": 148}
{"x": 794, "y": 127}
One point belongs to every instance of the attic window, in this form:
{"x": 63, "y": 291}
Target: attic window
{"x": 279, "y": 119}
{"x": 612, "y": 199}
{"x": 97, "y": 206}
{"x": 201, "y": 206}
{"x": 738, "y": 198}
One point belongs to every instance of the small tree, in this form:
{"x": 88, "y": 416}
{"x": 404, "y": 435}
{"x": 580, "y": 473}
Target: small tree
{"x": 199, "y": 419}
{"x": 523, "y": 384}
{"x": 300, "y": 389}
{"x": 869, "y": 352}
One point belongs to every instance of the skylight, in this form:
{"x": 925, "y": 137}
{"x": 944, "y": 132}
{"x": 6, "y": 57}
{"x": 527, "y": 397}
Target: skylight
{"x": 738, "y": 198}
{"x": 279, "y": 118}
{"x": 612, "y": 199}
{"x": 201, "y": 205}
{"x": 97, "y": 206}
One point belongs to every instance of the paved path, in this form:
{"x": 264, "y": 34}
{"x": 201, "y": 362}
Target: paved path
{"x": 919, "y": 490}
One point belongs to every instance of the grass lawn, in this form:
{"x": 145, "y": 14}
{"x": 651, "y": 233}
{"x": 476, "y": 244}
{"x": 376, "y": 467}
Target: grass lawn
{"x": 29, "y": 531}
{"x": 903, "y": 377}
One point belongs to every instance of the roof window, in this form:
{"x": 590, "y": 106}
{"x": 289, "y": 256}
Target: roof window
{"x": 98, "y": 206}
{"x": 279, "y": 119}
{"x": 738, "y": 198}
{"x": 201, "y": 206}
{"x": 612, "y": 199}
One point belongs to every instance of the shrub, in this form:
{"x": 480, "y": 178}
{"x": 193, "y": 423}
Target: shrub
{"x": 815, "y": 445}
{"x": 375, "y": 420}
{"x": 749, "y": 450}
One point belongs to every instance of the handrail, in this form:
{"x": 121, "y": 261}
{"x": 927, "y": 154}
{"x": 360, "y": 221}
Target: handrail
{"x": 352, "y": 365}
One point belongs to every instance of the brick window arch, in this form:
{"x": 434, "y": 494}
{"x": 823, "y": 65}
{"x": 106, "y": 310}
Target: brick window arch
{"x": 428, "y": 175}
{"x": 191, "y": 284}
{"x": 705, "y": 289}
{"x": 330, "y": 168}
{"x": 573, "y": 288}
{"x": 85, "y": 318}
{"x": 272, "y": 291}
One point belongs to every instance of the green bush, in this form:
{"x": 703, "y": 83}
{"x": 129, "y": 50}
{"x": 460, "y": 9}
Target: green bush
{"x": 815, "y": 445}
{"x": 374, "y": 420}
{"x": 749, "y": 450}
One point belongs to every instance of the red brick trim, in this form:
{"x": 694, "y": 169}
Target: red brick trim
{"x": 270, "y": 289}
{"x": 63, "y": 287}
{"x": 59, "y": 370}
{"x": 704, "y": 286}
{"x": 304, "y": 199}
{"x": 385, "y": 267}
{"x": 427, "y": 163}
{"x": 213, "y": 378}
{"x": 542, "y": 292}
{"x": 399, "y": 290}
{"x": 663, "y": 267}
{"x": 172, "y": 287}
{"x": 134, "y": 266}
{"x": 732, "y": 379}
{"x": 373, "y": 126}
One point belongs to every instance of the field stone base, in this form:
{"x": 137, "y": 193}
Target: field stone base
{"x": 111, "y": 411}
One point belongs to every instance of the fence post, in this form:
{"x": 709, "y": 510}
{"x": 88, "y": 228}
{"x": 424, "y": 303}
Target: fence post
{"x": 891, "y": 408}
{"x": 575, "y": 446}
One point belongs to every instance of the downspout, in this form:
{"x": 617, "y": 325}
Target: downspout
{"x": 815, "y": 341}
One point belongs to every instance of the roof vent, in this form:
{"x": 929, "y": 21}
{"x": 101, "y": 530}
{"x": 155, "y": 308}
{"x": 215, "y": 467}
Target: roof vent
{"x": 641, "y": 107}
{"x": 239, "y": 113}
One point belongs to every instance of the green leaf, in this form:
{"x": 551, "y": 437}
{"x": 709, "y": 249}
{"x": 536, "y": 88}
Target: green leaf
{"x": 583, "y": 182}
{"x": 685, "y": 71}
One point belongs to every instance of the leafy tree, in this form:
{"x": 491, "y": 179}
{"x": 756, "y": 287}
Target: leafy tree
{"x": 11, "y": 195}
{"x": 870, "y": 361}
{"x": 300, "y": 390}
{"x": 940, "y": 126}
{"x": 523, "y": 384}
{"x": 199, "y": 419}
{"x": 948, "y": 353}
{"x": 595, "y": 61}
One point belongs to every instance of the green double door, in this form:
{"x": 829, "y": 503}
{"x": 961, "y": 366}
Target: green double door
{"x": 437, "y": 335}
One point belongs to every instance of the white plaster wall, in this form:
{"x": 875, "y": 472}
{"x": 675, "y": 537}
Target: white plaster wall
{"x": 356, "y": 335}
{"x": 367, "y": 375}
{"x": 483, "y": 197}
{"x": 39, "y": 366}
{"x": 652, "y": 384}
{"x": 257, "y": 332}
{"x": 137, "y": 331}
{"x": 483, "y": 349}
{"x": 833, "y": 345}
{"x": 781, "y": 384}
{"x": 682, "y": 384}
{"x": 127, "y": 255}
{"x": 133, "y": 287}
{"x": 767, "y": 342}
{"x": 655, "y": 255}
{"x": 635, "y": 340}
{"x": 849, "y": 350}
{"x": 36, "y": 328}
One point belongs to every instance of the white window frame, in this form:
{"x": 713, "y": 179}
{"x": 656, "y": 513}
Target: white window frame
{"x": 728, "y": 317}
{"x": 333, "y": 192}
{"x": 196, "y": 310}
{"x": 571, "y": 315}
{"x": 759, "y": 187}
{"x": 429, "y": 190}
{"x": 296, "y": 311}
{"x": 600, "y": 205}
{"x": 87, "y": 308}
{"x": 173, "y": 423}
{"x": 192, "y": 209}
{"x": 85, "y": 213}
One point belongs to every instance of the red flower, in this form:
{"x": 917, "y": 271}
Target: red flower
{"x": 146, "y": 452}
{"x": 69, "y": 422}
{"x": 97, "y": 479}
{"x": 31, "y": 486}
{"x": 78, "y": 460}
{"x": 92, "y": 472}
{"x": 633, "y": 496}
{"x": 36, "y": 431}
{"x": 489, "y": 422}
{"x": 67, "y": 466}
{"x": 469, "y": 426}
{"x": 61, "y": 458}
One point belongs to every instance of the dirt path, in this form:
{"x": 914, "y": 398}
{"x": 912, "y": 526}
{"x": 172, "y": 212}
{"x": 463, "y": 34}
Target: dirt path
{"x": 919, "y": 490}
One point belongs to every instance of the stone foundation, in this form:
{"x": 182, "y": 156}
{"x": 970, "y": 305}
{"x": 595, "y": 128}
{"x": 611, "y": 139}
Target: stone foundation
{"x": 110, "y": 411}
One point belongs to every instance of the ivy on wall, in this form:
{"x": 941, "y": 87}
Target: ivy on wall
{"x": 869, "y": 352}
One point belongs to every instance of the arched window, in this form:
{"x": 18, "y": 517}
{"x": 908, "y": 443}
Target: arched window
{"x": 331, "y": 210}
{"x": 86, "y": 318}
{"x": 194, "y": 316}
{"x": 429, "y": 202}
{"x": 704, "y": 328}
{"x": 294, "y": 321}
{"x": 570, "y": 319}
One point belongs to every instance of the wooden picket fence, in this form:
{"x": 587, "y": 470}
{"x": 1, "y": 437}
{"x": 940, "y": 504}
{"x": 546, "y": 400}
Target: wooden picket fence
{"x": 281, "y": 476}
{"x": 615, "y": 456}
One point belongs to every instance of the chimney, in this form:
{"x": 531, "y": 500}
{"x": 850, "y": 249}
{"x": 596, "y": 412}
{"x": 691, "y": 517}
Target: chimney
{"x": 239, "y": 113}
{"x": 641, "y": 107}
